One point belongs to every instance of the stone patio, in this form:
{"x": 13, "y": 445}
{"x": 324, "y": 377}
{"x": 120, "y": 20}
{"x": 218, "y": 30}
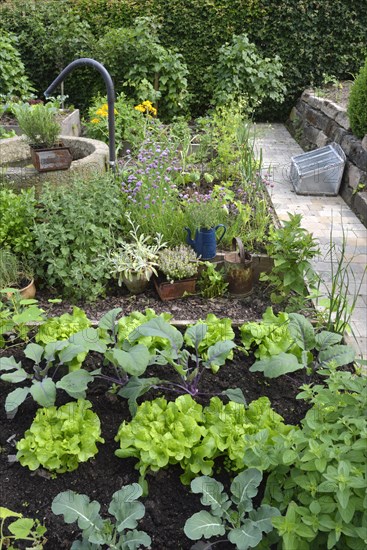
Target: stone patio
{"x": 328, "y": 218}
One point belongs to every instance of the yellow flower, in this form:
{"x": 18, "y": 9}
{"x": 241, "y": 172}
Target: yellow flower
{"x": 95, "y": 120}
{"x": 153, "y": 110}
{"x": 140, "y": 108}
{"x": 100, "y": 112}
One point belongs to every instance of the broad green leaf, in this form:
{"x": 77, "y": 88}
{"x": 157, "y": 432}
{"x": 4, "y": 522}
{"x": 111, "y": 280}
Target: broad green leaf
{"x": 135, "y": 388}
{"x": 162, "y": 329}
{"x": 340, "y": 355}
{"x": 44, "y": 392}
{"x": 235, "y": 395}
{"x": 247, "y": 536}
{"x": 89, "y": 339}
{"x": 211, "y": 490}
{"x": 69, "y": 352}
{"x": 325, "y": 339}
{"x": 273, "y": 367}
{"x": 9, "y": 363}
{"x": 127, "y": 515}
{"x": 76, "y": 507}
{"x": 134, "y": 361}
{"x": 34, "y": 352}
{"x": 218, "y": 354}
{"x": 108, "y": 320}
{"x": 6, "y": 513}
{"x": 203, "y": 524}
{"x": 21, "y": 527}
{"x": 128, "y": 493}
{"x": 262, "y": 517}
{"x": 196, "y": 334}
{"x": 15, "y": 377}
{"x": 75, "y": 383}
{"x": 52, "y": 348}
{"x": 244, "y": 487}
{"x": 134, "y": 539}
{"x": 301, "y": 331}
{"x": 15, "y": 398}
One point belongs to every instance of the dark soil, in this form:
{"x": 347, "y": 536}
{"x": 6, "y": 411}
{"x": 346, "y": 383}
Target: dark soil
{"x": 169, "y": 503}
{"x": 188, "y": 308}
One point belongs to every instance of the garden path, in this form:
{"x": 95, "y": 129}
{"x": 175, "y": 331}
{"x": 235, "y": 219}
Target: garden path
{"x": 325, "y": 216}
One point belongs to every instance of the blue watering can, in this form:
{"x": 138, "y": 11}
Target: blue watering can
{"x": 205, "y": 243}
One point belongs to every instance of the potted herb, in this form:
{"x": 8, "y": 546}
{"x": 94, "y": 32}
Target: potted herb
{"x": 14, "y": 275}
{"x": 179, "y": 266}
{"x": 134, "y": 262}
{"x": 42, "y": 131}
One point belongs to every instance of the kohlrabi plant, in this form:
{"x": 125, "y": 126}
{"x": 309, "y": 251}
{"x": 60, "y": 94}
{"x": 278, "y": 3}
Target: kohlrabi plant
{"x": 234, "y": 517}
{"x": 189, "y": 365}
{"x": 60, "y": 438}
{"x": 39, "y": 383}
{"x": 98, "y": 532}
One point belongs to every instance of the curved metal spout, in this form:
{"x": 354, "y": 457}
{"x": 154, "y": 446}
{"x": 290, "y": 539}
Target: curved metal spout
{"x": 110, "y": 97}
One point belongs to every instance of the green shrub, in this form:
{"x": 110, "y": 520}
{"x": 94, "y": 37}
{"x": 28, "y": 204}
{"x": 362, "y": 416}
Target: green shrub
{"x": 73, "y": 233}
{"x": 357, "y": 107}
{"x": 17, "y": 218}
{"x": 242, "y": 73}
{"x": 13, "y": 80}
{"x": 60, "y": 438}
{"x": 139, "y": 63}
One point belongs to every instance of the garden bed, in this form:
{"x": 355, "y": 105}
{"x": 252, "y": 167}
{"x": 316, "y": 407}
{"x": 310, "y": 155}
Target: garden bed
{"x": 169, "y": 503}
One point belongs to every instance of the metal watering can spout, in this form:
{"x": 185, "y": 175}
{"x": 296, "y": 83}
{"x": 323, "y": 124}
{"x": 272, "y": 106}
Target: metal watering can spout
{"x": 188, "y": 238}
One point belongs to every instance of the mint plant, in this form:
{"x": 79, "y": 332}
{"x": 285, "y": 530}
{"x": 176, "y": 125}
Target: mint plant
{"x": 60, "y": 438}
{"x": 320, "y": 483}
{"x": 307, "y": 349}
{"x": 233, "y": 516}
{"x": 20, "y": 529}
{"x": 98, "y": 532}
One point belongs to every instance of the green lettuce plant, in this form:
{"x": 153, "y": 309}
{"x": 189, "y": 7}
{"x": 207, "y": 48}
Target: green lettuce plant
{"x": 98, "y": 532}
{"x": 307, "y": 349}
{"x": 233, "y": 516}
{"x": 183, "y": 432}
{"x": 320, "y": 483}
{"x": 218, "y": 329}
{"x": 62, "y": 327}
{"x": 47, "y": 360}
{"x": 20, "y": 529}
{"x": 60, "y": 438}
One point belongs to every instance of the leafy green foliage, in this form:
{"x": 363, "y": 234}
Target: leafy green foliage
{"x": 321, "y": 484}
{"x": 16, "y": 316}
{"x": 357, "y": 106}
{"x": 17, "y": 217}
{"x": 62, "y": 327}
{"x": 13, "y": 80}
{"x": 128, "y": 323}
{"x": 242, "y": 73}
{"x": 97, "y": 532}
{"x": 211, "y": 283}
{"x": 292, "y": 248}
{"x": 21, "y": 529}
{"x": 60, "y": 438}
{"x": 138, "y": 61}
{"x": 305, "y": 349}
{"x": 271, "y": 336}
{"x": 235, "y": 515}
{"x": 72, "y": 233}
{"x": 46, "y": 361}
{"x": 183, "y": 432}
{"x": 38, "y": 123}
{"x": 218, "y": 330}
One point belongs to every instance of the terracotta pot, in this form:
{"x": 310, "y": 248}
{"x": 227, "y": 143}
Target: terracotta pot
{"x": 52, "y": 158}
{"x": 172, "y": 291}
{"x": 27, "y": 292}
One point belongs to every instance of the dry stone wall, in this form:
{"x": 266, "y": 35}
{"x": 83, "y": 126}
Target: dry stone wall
{"x": 316, "y": 122}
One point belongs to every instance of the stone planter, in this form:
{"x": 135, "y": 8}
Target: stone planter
{"x": 70, "y": 124}
{"x": 90, "y": 157}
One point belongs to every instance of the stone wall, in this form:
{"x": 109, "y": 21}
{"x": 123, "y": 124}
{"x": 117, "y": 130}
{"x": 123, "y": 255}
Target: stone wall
{"x": 316, "y": 122}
